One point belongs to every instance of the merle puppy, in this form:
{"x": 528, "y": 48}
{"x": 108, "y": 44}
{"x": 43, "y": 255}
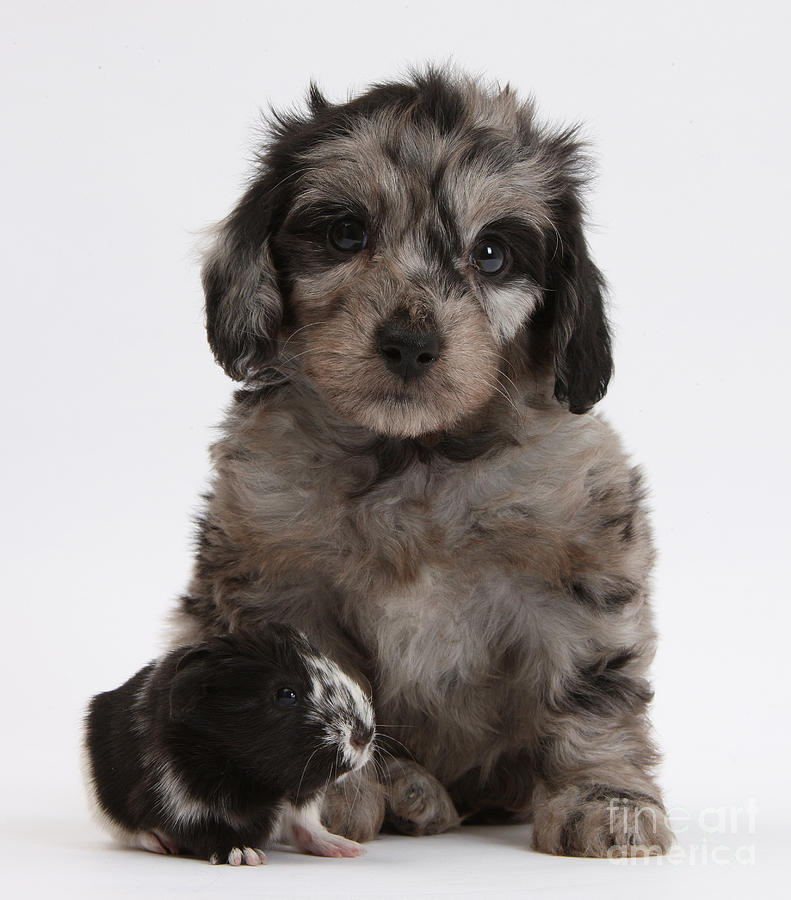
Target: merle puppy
{"x": 412, "y": 474}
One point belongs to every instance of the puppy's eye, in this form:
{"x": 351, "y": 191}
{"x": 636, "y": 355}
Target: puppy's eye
{"x": 286, "y": 698}
{"x": 348, "y": 235}
{"x": 488, "y": 256}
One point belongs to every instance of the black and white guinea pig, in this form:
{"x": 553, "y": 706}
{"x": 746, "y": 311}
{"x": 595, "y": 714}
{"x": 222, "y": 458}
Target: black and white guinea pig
{"x": 217, "y": 748}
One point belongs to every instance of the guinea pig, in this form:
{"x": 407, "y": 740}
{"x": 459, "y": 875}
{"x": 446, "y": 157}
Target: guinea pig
{"x": 217, "y": 748}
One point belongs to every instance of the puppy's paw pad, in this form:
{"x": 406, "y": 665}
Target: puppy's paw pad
{"x": 417, "y": 803}
{"x": 601, "y": 823}
{"x": 624, "y": 849}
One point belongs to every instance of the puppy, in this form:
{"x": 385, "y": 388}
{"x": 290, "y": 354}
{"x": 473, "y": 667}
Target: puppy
{"x": 412, "y": 475}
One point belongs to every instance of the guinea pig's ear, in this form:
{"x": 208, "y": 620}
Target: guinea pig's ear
{"x": 244, "y": 307}
{"x": 580, "y": 334}
{"x": 188, "y": 686}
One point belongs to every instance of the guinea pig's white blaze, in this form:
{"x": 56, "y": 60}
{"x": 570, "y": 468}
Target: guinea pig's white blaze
{"x": 342, "y": 707}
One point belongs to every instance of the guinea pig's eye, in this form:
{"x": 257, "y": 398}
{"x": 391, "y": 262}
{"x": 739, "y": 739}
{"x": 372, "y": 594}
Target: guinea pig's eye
{"x": 348, "y": 235}
{"x": 488, "y": 256}
{"x": 286, "y": 698}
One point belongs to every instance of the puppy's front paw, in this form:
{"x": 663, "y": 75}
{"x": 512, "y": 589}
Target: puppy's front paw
{"x": 354, "y": 807}
{"x": 601, "y": 821}
{"x": 237, "y": 856}
{"x": 417, "y": 803}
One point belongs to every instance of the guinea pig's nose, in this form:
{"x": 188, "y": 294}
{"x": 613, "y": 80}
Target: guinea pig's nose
{"x": 407, "y": 353}
{"x": 361, "y": 737}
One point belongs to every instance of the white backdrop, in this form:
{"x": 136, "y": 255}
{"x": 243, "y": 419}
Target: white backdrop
{"x": 128, "y": 128}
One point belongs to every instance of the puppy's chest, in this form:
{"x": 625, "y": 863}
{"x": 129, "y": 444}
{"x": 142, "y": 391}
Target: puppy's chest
{"x": 447, "y": 626}
{"x": 438, "y": 572}
{"x": 457, "y": 529}
{"x": 417, "y": 522}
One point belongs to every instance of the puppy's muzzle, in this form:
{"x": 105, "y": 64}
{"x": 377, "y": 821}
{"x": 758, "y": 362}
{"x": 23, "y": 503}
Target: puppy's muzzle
{"x": 407, "y": 353}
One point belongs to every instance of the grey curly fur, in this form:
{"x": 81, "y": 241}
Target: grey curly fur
{"x": 473, "y": 546}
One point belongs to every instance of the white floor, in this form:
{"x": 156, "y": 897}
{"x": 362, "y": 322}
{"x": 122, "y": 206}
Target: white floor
{"x": 63, "y": 854}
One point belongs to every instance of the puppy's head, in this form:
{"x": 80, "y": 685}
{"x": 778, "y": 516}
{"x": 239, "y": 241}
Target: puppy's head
{"x": 405, "y": 247}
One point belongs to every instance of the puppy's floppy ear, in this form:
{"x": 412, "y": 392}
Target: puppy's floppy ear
{"x": 580, "y": 333}
{"x": 244, "y": 300}
{"x": 244, "y": 307}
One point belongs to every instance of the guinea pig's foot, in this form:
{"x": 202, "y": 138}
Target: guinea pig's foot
{"x": 156, "y": 842}
{"x": 301, "y": 827}
{"x": 238, "y": 856}
{"x": 417, "y": 803}
{"x": 320, "y": 842}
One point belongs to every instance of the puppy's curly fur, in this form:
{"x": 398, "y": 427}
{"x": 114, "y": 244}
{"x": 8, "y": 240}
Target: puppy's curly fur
{"x": 411, "y": 474}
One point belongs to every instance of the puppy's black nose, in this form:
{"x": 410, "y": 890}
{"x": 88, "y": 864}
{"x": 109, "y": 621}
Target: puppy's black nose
{"x": 408, "y": 353}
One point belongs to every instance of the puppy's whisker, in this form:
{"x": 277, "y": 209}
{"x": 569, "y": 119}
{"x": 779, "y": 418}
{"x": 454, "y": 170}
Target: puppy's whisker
{"x": 293, "y": 334}
{"x": 501, "y": 391}
{"x": 501, "y": 374}
{"x": 295, "y": 356}
{"x": 510, "y": 381}
{"x": 293, "y": 174}
{"x": 492, "y": 354}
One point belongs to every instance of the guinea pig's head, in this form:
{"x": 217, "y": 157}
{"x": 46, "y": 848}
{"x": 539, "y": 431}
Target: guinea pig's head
{"x": 415, "y": 254}
{"x": 274, "y": 706}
